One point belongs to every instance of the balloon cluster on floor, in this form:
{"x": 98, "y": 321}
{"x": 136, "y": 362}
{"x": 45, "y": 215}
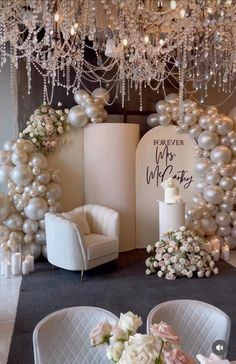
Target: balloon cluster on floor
{"x": 212, "y": 211}
{"x": 89, "y": 108}
{"x": 33, "y": 190}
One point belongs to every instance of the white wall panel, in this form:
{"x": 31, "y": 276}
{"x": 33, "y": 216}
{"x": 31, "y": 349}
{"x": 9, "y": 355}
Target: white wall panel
{"x": 109, "y": 172}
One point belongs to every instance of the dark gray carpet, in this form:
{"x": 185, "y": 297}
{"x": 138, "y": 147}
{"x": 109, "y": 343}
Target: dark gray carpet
{"x": 117, "y": 286}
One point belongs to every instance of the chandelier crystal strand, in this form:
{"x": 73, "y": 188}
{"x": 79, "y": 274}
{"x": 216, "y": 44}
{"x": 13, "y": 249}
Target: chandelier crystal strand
{"x": 137, "y": 42}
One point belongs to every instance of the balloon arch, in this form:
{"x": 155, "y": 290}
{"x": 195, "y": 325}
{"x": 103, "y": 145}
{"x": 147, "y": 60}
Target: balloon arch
{"x": 212, "y": 211}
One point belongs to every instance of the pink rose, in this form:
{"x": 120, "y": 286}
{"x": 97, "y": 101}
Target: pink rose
{"x": 177, "y": 356}
{"x": 165, "y": 332}
{"x": 100, "y": 334}
{"x": 117, "y": 333}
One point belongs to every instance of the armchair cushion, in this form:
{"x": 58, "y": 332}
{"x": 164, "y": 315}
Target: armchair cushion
{"x": 78, "y": 218}
{"x": 100, "y": 245}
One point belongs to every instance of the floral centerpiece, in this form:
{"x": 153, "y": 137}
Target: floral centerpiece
{"x": 126, "y": 346}
{"x": 45, "y": 128}
{"x": 181, "y": 253}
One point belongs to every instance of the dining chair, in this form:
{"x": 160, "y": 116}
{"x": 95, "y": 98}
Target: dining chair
{"x": 197, "y": 323}
{"x": 63, "y": 336}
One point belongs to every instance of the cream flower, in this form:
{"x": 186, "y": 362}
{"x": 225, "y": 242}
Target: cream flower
{"x": 129, "y": 322}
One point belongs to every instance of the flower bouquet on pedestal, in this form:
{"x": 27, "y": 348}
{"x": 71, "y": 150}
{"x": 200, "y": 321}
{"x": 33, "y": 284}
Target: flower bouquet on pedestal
{"x": 181, "y": 253}
{"x": 125, "y": 346}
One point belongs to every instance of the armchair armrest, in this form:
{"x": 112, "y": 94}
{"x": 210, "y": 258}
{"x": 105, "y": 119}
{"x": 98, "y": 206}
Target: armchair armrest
{"x": 65, "y": 243}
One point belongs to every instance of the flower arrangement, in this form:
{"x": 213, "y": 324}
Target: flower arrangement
{"x": 181, "y": 253}
{"x": 45, "y": 127}
{"x": 126, "y": 346}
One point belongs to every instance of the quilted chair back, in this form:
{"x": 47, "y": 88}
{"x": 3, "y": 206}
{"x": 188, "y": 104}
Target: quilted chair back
{"x": 63, "y": 336}
{"x": 198, "y": 324}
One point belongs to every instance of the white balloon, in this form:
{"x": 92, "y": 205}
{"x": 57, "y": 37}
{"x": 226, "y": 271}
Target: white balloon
{"x": 40, "y": 237}
{"x": 36, "y": 208}
{"x": 92, "y": 111}
{"x": 152, "y": 120}
{"x": 8, "y": 144}
{"x": 214, "y": 194}
{"x": 38, "y": 159}
{"x": 44, "y": 177}
{"x": 19, "y": 157}
{"x": 30, "y": 226}
{"x": 22, "y": 175}
{"x": 5, "y": 172}
{"x": 202, "y": 166}
{"x": 14, "y": 221}
{"x": 79, "y": 96}
{"x": 101, "y": 94}
{"x": 221, "y": 153}
{"x": 4, "y": 233}
{"x": 77, "y": 117}
{"x": 53, "y": 191}
{"x": 208, "y": 140}
{"x": 5, "y": 158}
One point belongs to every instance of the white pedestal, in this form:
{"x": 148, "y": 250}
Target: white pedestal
{"x": 171, "y": 216}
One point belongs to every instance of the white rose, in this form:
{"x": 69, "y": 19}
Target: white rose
{"x": 100, "y": 334}
{"x": 212, "y": 264}
{"x": 160, "y": 273}
{"x": 149, "y": 248}
{"x": 163, "y": 268}
{"x": 173, "y": 259}
{"x": 148, "y": 272}
{"x": 158, "y": 257}
{"x": 34, "y": 140}
{"x": 155, "y": 264}
{"x": 182, "y": 228}
{"x": 147, "y": 262}
{"x": 129, "y": 322}
{"x": 135, "y": 353}
{"x": 114, "y": 352}
{"x": 215, "y": 270}
{"x": 208, "y": 273}
{"x": 197, "y": 249}
{"x": 189, "y": 274}
{"x": 170, "y": 249}
{"x": 200, "y": 274}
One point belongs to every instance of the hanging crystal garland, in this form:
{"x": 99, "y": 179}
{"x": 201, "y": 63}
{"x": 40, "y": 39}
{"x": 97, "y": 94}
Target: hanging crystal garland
{"x": 131, "y": 44}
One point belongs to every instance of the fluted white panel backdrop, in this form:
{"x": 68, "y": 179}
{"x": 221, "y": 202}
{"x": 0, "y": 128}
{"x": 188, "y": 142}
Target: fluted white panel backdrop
{"x": 109, "y": 172}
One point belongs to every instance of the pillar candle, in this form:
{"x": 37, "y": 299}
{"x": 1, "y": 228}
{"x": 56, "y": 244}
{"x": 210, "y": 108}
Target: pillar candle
{"x": 216, "y": 254}
{"x": 7, "y": 269}
{"x": 30, "y": 259}
{"x": 16, "y": 263}
{"x": 25, "y": 267}
{"x": 225, "y": 252}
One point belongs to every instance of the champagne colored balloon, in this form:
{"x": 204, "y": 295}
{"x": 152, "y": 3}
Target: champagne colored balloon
{"x": 44, "y": 177}
{"x": 164, "y": 118}
{"x": 4, "y": 233}
{"x": 42, "y": 224}
{"x": 56, "y": 176}
{"x": 204, "y": 121}
{"x": 16, "y": 237}
{"x": 212, "y": 178}
{"x": 202, "y": 166}
{"x": 26, "y": 145}
{"x": 226, "y": 183}
{"x": 102, "y": 94}
{"x": 223, "y": 218}
{"x": 21, "y": 175}
{"x": 227, "y": 207}
{"x": 28, "y": 238}
{"x": 200, "y": 185}
{"x": 5, "y": 172}
{"x": 5, "y": 158}
{"x": 227, "y": 171}
{"x": 163, "y": 106}
{"x": 5, "y": 206}
{"x": 8, "y": 144}
{"x": 208, "y": 225}
{"x": 224, "y": 231}
{"x": 189, "y": 119}
{"x": 58, "y": 207}
{"x": 19, "y": 157}
{"x": 226, "y": 125}
{"x": 152, "y": 120}
{"x": 54, "y": 191}
{"x": 36, "y": 208}
{"x": 189, "y": 104}
{"x": 30, "y": 226}
{"x": 38, "y": 159}
{"x": 79, "y": 96}
{"x": 77, "y": 117}
{"x": 212, "y": 110}
{"x": 214, "y": 194}
{"x": 14, "y": 221}
{"x": 208, "y": 140}
{"x": 221, "y": 153}
{"x": 173, "y": 99}
{"x": 36, "y": 171}
{"x": 40, "y": 237}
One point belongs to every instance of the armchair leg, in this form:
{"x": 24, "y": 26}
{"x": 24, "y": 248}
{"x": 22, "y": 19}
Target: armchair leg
{"x": 81, "y": 275}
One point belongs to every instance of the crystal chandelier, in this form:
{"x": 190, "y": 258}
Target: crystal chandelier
{"x": 122, "y": 44}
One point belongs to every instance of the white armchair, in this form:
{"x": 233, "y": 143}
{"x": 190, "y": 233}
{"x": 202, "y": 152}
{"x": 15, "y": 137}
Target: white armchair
{"x": 83, "y": 238}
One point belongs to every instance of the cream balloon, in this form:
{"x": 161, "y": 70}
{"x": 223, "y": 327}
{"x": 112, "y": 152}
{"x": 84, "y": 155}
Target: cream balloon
{"x": 36, "y": 208}
{"x": 224, "y": 231}
{"x": 42, "y": 224}
{"x": 5, "y": 172}
{"x": 226, "y": 206}
{"x": 19, "y": 157}
{"x": 77, "y": 117}
{"x": 40, "y": 237}
{"x": 79, "y": 96}
{"x": 5, "y": 158}
{"x": 92, "y": 110}
{"x": 30, "y": 226}
{"x": 214, "y": 194}
{"x": 195, "y": 131}
{"x": 14, "y": 221}
{"x": 28, "y": 238}
{"x": 204, "y": 121}
{"x": 208, "y": 140}
{"x": 164, "y": 118}
{"x": 163, "y": 106}
{"x": 21, "y": 175}
{"x": 8, "y": 144}
{"x": 222, "y": 218}
{"x": 202, "y": 166}
{"x": 16, "y": 237}
{"x": 221, "y": 153}
{"x": 38, "y": 159}
{"x": 208, "y": 225}
{"x": 189, "y": 119}
{"x": 226, "y": 183}
{"x": 226, "y": 125}
{"x": 5, "y": 206}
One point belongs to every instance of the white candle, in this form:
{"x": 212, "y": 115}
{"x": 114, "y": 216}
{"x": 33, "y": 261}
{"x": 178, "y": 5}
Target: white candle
{"x": 216, "y": 254}
{"x": 225, "y": 252}
{"x": 16, "y": 263}
{"x": 30, "y": 259}
{"x": 25, "y": 267}
{"x": 3, "y": 262}
{"x": 7, "y": 269}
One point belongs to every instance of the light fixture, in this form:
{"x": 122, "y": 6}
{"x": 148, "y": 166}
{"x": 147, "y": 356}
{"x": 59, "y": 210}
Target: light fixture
{"x": 137, "y": 43}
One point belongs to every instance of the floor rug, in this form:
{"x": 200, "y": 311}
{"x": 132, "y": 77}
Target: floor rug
{"x": 118, "y": 286}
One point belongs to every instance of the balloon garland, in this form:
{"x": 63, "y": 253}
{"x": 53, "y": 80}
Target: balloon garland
{"x": 212, "y": 211}
{"x": 32, "y": 191}
{"x": 90, "y": 107}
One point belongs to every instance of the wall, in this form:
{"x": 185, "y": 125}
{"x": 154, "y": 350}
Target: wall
{"x": 8, "y": 109}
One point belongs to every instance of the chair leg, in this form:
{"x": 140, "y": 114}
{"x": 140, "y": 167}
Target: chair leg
{"x": 81, "y": 275}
